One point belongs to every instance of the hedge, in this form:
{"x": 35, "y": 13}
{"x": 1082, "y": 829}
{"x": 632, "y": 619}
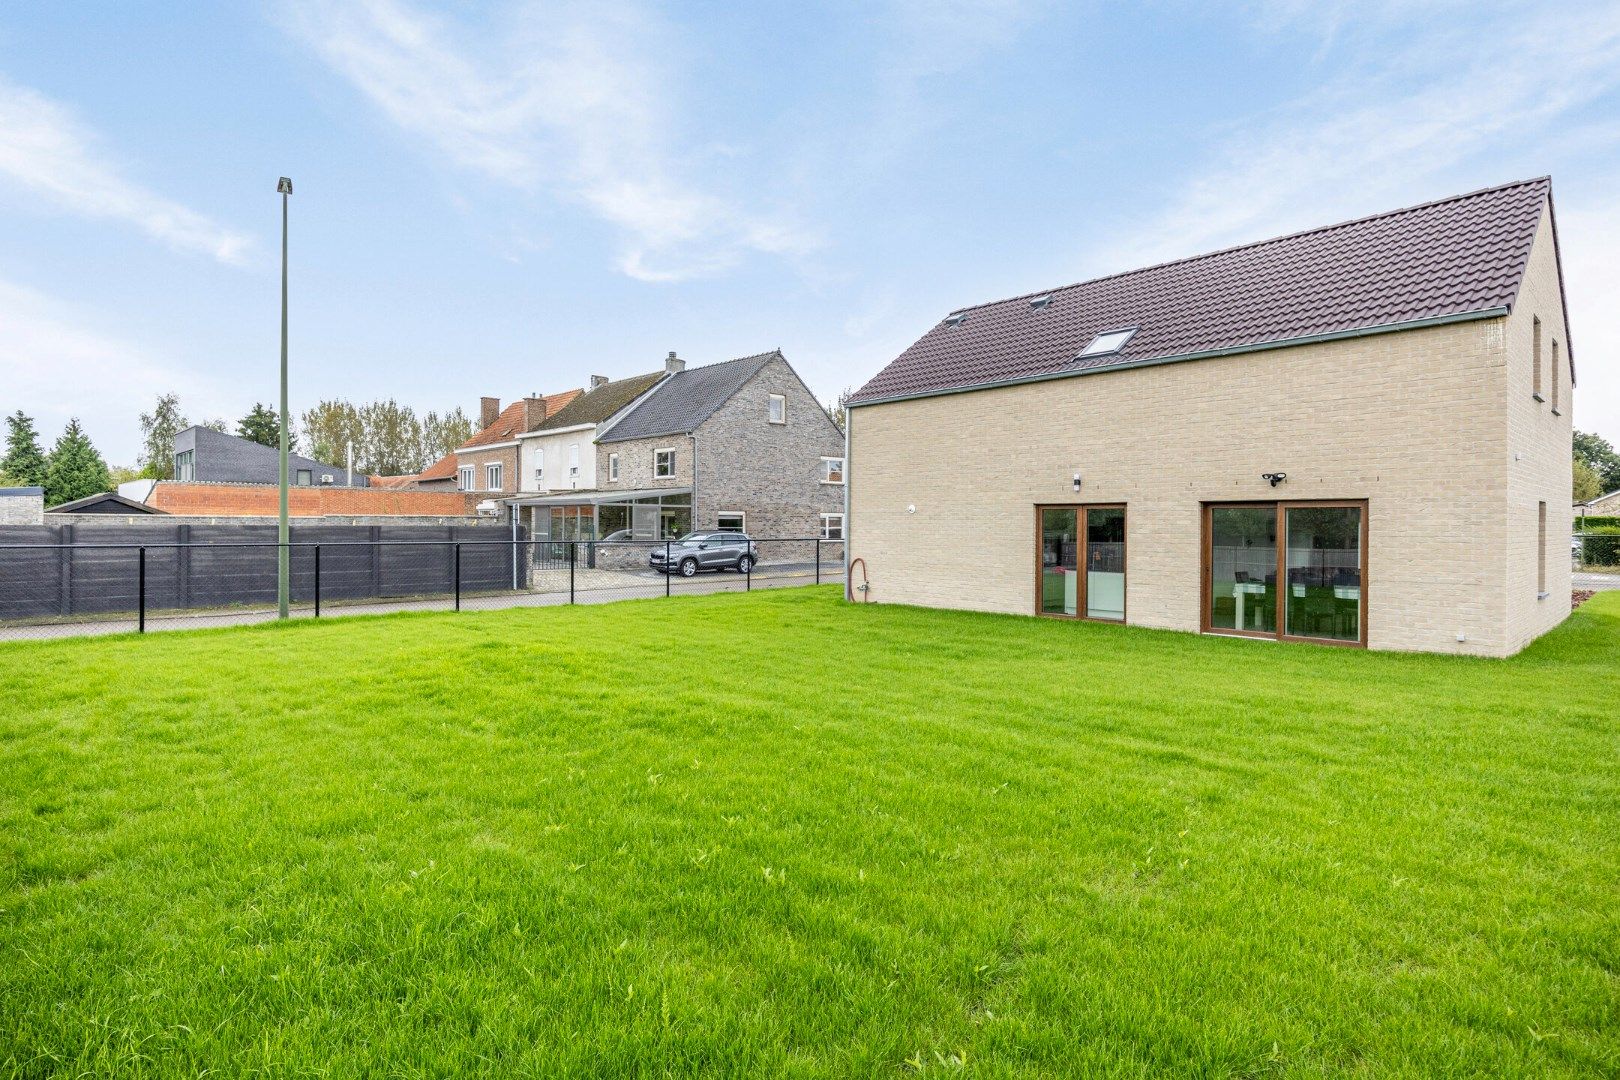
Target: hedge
{"x": 1597, "y": 521}
{"x": 1600, "y": 545}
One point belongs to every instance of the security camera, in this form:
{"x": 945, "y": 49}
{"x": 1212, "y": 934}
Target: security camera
{"x": 1275, "y": 477}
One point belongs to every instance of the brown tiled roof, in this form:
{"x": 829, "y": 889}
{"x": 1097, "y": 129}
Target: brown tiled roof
{"x": 513, "y": 420}
{"x": 1457, "y": 256}
{"x": 443, "y": 469}
{"x": 601, "y": 402}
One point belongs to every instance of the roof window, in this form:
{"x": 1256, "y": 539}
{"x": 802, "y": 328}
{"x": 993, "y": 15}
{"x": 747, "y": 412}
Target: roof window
{"x": 1036, "y": 303}
{"x": 956, "y": 318}
{"x": 1109, "y": 341}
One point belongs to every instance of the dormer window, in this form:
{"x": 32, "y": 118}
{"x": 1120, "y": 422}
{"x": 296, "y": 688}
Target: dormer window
{"x": 1108, "y": 342}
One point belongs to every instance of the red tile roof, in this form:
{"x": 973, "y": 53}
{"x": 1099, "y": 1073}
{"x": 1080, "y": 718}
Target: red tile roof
{"x": 1457, "y": 256}
{"x": 513, "y": 420}
{"x": 443, "y": 469}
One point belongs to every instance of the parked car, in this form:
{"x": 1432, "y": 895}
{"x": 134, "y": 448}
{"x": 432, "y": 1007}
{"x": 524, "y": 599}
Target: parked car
{"x": 706, "y": 551}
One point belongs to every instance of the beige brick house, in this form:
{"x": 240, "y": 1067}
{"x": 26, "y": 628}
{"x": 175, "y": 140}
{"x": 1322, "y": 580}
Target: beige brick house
{"x": 1358, "y": 434}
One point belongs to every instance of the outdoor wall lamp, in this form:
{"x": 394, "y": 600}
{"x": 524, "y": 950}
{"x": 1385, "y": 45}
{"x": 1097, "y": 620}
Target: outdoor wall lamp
{"x": 1077, "y": 481}
{"x": 1275, "y": 477}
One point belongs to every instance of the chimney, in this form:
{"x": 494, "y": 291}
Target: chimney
{"x": 598, "y": 380}
{"x": 488, "y": 409}
{"x": 534, "y": 412}
{"x": 674, "y": 363}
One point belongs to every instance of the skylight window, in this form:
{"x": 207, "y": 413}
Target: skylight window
{"x": 1109, "y": 341}
{"x": 956, "y": 318}
{"x": 1036, "y": 303}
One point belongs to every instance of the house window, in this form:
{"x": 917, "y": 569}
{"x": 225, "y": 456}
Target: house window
{"x": 731, "y": 521}
{"x": 832, "y": 526}
{"x": 1535, "y": 358}
{"x": 492, "y": 476}
{"x": 1081, "y": 562}
{"x": 1110, "y": 341}
{"x": 778, "y": 409}
{"x": 663, "y": 464}
{"x": 467, "y": 473}
{"x": 1286, "y": 570}
{"x": 1556, "y": 380}
{"x": 305, "y": 478}
{"x": 1541, "y": 551}
{"x": 573, "y": 460}
{"x": 832, "y": 470}
{"x": 185, "y": 465}
{"x": 539, "y": 465}
{"x": 613, "y": 466}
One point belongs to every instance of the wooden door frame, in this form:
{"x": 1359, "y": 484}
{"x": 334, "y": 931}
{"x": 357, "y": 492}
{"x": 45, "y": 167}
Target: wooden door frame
{"x": 1206, "y": 558}
{"x": 1080, "y": 510}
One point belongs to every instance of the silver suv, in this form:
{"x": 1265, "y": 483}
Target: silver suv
{"x": 706, "y": 551}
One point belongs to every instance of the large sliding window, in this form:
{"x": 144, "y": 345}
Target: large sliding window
{"x": 1286, "y": 570}
{"x": 1081, "y": 561}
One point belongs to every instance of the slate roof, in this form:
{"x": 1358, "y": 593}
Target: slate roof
{"x": 686, "y": 399}
{"x": 1457, "y": 256}
{"x": 513, "y": 420}
{"x": 598, "y": 404}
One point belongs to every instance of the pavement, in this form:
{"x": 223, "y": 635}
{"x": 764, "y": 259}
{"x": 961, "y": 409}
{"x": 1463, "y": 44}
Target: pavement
{"x": 1585, "y": 579}
{"x": 550, "y": 590}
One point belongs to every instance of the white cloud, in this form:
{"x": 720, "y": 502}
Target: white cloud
{"x": 45, "y": 150}
{"x": 1450, "y": 106}
{"x": 568, "y": 100}
{"x": 56, "y": 366}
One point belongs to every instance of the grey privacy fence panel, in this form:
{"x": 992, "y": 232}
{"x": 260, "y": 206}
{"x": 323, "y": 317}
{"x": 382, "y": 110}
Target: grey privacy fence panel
{"x": 63, "y": 571}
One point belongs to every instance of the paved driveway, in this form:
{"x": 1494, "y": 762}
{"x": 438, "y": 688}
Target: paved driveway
{"x": 1587, "y": 580}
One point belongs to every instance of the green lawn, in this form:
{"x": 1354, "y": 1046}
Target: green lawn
{"x": 778, "y": 835}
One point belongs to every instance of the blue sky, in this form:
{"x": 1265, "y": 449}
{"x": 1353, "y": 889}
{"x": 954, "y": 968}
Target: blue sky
{"x": 508, "y": 197}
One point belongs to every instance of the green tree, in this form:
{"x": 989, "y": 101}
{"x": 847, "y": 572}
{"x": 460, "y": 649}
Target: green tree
{"x": 158, "y": 429}
{"x": 24, "y": 462}
{"x": 262, "y": 426}
{"x": 329, "y": 428}
{"x": 393, "y": 439}
{"x": 442, "y": 434}
{"x": 1588, "y": 485}
{"x": 838, "y": 411}
{"x": 1601, "y": 457}
{"x": 76, "y": 469}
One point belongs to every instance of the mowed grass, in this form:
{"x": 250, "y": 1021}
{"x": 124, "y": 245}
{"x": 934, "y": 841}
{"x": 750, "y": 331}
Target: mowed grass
{"x": 780, "y": 835}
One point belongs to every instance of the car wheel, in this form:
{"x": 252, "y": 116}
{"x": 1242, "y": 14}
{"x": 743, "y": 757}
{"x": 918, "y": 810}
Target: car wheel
{"x": 744, "y": 565}
{"x": 688, "y": 567}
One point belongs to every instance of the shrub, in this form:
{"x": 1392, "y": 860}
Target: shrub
{"x": 1600, "y": 545}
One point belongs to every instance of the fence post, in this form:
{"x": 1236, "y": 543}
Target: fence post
{"x": 573, "y": 556}
{"x": 749, "y": 587}
{"x": 317, "y": 581}
{"x": 140, "y": 590}
{"x": 458, "y": 575}
{"x": 669, "y": 571}
{"x": 818, "y": 560}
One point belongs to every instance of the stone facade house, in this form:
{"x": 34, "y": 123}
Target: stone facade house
{"x": 1602, "y": 506}
{"x": 1358, "y": 435}
{"x": 488, "y": 462}
{"x": 742, "y": 444}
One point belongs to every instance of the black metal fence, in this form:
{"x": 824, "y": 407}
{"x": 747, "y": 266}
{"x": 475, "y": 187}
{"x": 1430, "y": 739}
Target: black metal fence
{"x": 57, "y": 590}
{"x": 1597, "y": 551}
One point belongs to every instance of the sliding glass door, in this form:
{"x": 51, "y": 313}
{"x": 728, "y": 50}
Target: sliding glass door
{"x": 1309, "y": 585}
{"x": 1080, "y": 565}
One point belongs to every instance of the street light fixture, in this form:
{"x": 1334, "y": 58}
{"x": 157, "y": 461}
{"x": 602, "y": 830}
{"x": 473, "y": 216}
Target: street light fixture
{"x": 283, "y": 583}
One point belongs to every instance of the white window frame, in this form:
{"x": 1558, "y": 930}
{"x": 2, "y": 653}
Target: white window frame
{"x": 494, "y": 476}
{"x": 539, "y": 463}
{"x": 670, "y": 475}
{"x": 827, "y": 526}
{"x": 613, "y": 467}
{"x": 771, "y": 409}
{"x": 573, "y": 460}
{"x": 740, "y": 515}
{"x": 468, "y": 476}
{"x": 826, "y": 470}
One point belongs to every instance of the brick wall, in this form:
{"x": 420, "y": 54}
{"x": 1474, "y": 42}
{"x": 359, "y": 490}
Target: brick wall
{"x": 506, "y": 456}
{"x": 22, "y": 506}
{"x": 252, "y": 500}
{"x": 1413, "y": 422}
{"x": 1538, "y": 453}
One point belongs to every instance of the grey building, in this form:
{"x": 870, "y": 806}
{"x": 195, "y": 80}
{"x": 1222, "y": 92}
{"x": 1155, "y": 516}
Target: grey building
{"x": 22, "y": 505}
{"x": 737, "y": 445}
{"x": 206, "y": 456}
